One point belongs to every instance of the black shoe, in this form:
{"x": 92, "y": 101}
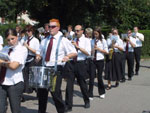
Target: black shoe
{"x": 23, "y": 99}
{"x": 87, "y": 105}
{"x": 68, "y": 109}
{"x": 123, "y": 80}
{"x": 136, "y": 73}
{"x": 129, "y": 78}
{"x": 108, "y": 87}
{"x": 117, "y": 84}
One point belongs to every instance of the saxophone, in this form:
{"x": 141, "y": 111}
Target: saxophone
{"x": 111, "y": 50}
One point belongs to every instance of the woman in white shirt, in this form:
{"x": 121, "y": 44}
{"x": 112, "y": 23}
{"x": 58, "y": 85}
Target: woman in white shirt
{"x": 32, "y": 44}
{"x": 1, "y": 42}
{"x": 99, "y": 49}
{"x": 114, "y": 64}
{"x": 11, "y": 77}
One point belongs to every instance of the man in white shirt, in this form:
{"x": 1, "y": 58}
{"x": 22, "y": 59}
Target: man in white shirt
{"x": 70, "y": 32}
{"x": 129, "y": 44}
{"x": 137, "y": 50}
{"x": 47, "y": 51}
{"x": 83, "y": 47}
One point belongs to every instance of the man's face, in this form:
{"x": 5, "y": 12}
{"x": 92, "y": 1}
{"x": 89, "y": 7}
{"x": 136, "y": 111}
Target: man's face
{"x": 69, "y": 29}
{"x": 46, "y": 28}
{"x": 12, "y": 40}
{"x": 78, "y": 31}
{"x": 54, "y": 28}
{"x": 135, "y": 29}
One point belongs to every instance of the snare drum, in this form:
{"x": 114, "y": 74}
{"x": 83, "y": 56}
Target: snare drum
{"x": 40, "y": 77}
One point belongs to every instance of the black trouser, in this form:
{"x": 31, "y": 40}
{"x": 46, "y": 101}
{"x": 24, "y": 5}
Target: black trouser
{"x": 27, "y": 88}
{"x": 130, "y": 63}
{"x": 99, "y": 65}
{"x": 70, "y": 77}
{"x": 14, "y": 93}
{"x": 137, "y": 55}
{"x": 56, "y": 95}
{"x": 80, "y": 71}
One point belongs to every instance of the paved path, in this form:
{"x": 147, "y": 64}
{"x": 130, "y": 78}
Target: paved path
{"x": 130, "y": 97}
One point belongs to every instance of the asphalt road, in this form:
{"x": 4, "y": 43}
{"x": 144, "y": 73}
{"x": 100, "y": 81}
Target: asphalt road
{"x": 130, "y": 97}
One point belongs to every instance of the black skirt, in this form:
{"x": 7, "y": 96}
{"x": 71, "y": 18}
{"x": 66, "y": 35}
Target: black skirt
{"x": 113, "y": 67}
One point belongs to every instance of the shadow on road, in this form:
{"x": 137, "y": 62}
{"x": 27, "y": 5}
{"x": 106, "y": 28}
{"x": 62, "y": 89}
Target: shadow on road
{"x": 27, "y": 110}
{"x": 145, "y": 66}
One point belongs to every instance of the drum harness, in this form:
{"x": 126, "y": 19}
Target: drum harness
{"x": 53, "y": 82}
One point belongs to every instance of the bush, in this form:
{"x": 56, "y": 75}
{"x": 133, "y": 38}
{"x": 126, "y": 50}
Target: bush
{"x": 146, "y": 43}
{"x": 4, "y": 27}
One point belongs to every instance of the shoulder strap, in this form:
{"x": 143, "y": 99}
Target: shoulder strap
{"x": 60, "y": 38}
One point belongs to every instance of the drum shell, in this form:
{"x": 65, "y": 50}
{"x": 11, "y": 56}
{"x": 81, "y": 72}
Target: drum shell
{"x": 41, "y": 77}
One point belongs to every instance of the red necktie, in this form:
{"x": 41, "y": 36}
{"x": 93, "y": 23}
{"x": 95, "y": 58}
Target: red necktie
{"x": 48, "y": 53}
{"x": 95, "y": 53}
{"x": 77, "y": 42}
{"x": 4, "y": 69}
{"x": 127, "y": 47}
{"x": 29, "y": 39}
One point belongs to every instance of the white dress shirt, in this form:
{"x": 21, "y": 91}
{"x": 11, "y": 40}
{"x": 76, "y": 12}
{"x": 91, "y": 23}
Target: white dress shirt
{"x": 119, "y": 43}
{"x": 19, "y": 54}
{"x": 34, "y": 44}
{"x": 1, "y": 42}
{"x": 85, "y": 44}
{"x": 65, "y": 48}
{"x": 102, "y": 45}
{"x": 130, "y": 48}
{"x": 139, "y": 38}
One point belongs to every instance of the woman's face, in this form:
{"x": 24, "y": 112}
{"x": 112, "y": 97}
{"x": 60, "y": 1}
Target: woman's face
{"x": 12, "y": 40}
{"x": 29, "y": 33}
{"x": 96, "y": 34}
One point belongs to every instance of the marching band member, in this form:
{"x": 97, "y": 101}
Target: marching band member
{"x": 137, "y": 50}
{"x": 70, "y": 33}
{"x": 99, "y": 49}
{"x": 129, "y": 44}
{"x": 89, "y": 63}
{"x": 48, "y": 52}
{"x": 11, "y": 77}
{"x": 113, "y": 67}
{"x": 83, "y": 47}
{"x": 32, "y": 44}
{"x": 1, "y": 42}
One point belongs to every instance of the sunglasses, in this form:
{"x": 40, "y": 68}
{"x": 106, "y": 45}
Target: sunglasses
{"x": 52, "y": 27}
{"x": 114, "y": 33}
{"x": 77, "y": 30}
{"x": 28, "y": 30}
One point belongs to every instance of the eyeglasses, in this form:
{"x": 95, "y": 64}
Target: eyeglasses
{"x": 129, "y": 32}
{"x": 52, "y": 27}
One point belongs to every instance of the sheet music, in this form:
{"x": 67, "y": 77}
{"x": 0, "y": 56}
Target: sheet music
{"x": 4, "y": 56}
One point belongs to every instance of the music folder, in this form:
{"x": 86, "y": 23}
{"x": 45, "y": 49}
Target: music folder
{"x": 4, "y": 56}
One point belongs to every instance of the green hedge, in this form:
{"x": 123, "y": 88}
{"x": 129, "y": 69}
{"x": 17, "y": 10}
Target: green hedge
{"x": 4, "y": 27}
{"x": 146, "y": 43}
